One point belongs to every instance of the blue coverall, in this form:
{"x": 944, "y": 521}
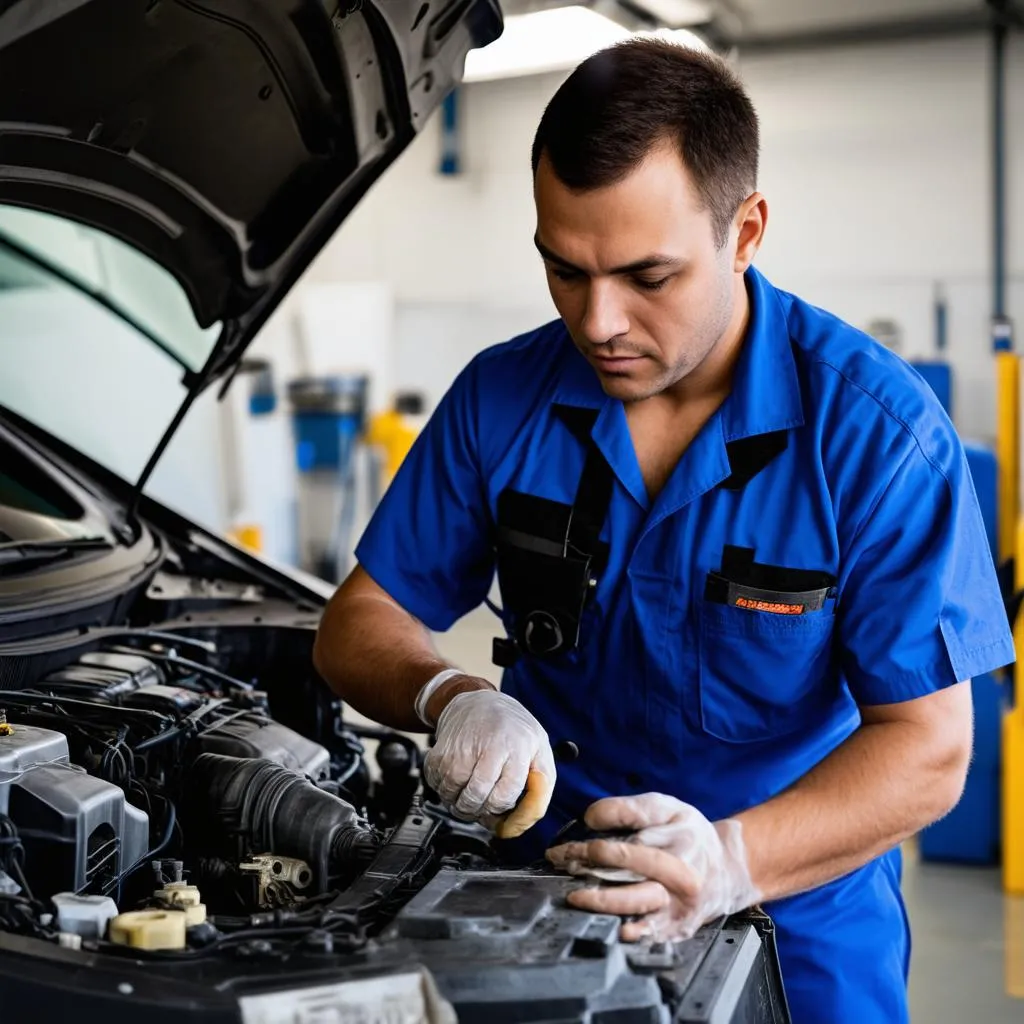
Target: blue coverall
{"x": 719, "y": 705}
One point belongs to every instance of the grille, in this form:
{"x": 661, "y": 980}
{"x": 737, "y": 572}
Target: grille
{"x": 101, "y": 858}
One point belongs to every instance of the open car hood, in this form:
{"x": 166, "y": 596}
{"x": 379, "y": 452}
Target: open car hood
{"x": 225, "y": 139}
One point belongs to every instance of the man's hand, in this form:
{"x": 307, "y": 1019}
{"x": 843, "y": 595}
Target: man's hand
{"x": 695, "y": 870}
{"x": 488, "y": 747}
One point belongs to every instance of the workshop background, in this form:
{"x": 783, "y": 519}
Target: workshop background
{"x": 893, "y": 164}
{"x": 877, "y": 131}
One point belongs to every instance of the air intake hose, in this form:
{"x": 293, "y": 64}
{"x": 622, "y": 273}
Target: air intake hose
{"x": 272, "y": 809}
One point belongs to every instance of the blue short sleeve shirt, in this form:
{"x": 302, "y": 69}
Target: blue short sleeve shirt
{"x": 720, "y": 705}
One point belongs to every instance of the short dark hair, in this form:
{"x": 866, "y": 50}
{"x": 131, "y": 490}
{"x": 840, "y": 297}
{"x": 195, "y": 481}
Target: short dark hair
{"x": 624, "y": 100}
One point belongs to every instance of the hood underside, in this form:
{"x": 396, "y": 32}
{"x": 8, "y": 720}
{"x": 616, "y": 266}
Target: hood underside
{"x": 225, "y": 139}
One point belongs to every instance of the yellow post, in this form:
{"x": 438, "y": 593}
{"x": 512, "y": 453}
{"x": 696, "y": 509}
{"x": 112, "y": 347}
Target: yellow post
{"x": 1011, "y": 544}
{"x": 1013, "y": 756}
{"x": 1007, "y": 450}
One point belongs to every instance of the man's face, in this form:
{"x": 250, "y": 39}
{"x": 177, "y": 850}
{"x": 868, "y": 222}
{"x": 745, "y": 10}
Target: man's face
{"x": 635, "y": 273}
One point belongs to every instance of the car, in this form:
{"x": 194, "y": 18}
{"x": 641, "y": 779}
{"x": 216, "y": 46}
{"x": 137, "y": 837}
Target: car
{"x": 190, "y": 823}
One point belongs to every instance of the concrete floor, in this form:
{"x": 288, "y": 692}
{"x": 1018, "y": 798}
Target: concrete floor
{"x": 968, "y": 945}
{"x": 968, "y": 942}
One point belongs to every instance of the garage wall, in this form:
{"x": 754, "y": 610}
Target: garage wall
{"x": 877, "y": 168}
{"x": 875, "y": 165}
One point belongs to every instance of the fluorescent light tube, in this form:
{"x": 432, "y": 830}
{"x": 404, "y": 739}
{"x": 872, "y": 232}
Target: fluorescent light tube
{"x": 552, "y": 40}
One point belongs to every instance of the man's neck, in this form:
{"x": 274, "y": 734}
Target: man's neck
{"x": 663, "y": 426}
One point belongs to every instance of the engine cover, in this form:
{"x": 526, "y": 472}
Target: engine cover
{"x": 256, "y": 736}
{"x": 23, "y": 748}
{"x": 79, "y": 832}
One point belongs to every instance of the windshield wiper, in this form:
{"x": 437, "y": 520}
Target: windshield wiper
{"x": 21, "y": 551}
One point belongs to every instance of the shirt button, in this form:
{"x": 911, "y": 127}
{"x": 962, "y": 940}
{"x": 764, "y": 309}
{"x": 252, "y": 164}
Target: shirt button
{"x": 566, "y": 750}
{"x": 634, "y": 779}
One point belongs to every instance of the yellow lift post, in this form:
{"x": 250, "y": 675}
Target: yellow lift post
{"x": 1011, "y": 545}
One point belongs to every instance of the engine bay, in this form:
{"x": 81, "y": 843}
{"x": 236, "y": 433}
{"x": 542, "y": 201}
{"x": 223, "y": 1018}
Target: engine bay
{"x": 142, "y": 762}
{"x": 186, "y": 811}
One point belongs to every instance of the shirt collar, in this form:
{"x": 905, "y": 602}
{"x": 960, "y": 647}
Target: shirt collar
{"x": 765, "y": 395}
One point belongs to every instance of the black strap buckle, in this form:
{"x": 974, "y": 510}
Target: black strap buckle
{"x": 548, "y": 555}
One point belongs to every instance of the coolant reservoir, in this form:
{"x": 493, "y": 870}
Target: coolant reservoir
{"x": 87, "y": 916}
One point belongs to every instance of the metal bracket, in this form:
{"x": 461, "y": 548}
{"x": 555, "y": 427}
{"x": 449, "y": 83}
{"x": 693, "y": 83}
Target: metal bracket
{"x": 278, "y": 879}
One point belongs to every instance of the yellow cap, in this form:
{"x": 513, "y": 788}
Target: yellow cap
{"x": 187, "y": 897}
{"x": 150, "y": 929}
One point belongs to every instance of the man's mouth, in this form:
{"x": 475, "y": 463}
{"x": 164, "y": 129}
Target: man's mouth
{"x": 616, "y": 364}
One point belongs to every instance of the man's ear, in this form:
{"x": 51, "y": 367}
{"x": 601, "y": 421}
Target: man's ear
{"x": 750, "y": 224}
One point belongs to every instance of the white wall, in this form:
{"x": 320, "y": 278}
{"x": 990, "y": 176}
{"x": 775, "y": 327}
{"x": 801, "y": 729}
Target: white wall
{"x": 875, "y": 164}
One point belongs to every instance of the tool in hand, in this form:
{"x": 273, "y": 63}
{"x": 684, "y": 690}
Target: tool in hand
{"x": 534, "y": 799}
{"x": 529, "y": 809}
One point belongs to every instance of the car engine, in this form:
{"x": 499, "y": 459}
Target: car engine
{"x": 142, "y": 759}
{"x": 184, "y": 808}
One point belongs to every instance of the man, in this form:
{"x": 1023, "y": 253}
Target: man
{"x": 742, "y": 565}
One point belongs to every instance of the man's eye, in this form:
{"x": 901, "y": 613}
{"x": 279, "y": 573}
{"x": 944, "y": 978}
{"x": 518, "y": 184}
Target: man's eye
{"x": 651, "y": 286}
{"x": 565, "y": 275}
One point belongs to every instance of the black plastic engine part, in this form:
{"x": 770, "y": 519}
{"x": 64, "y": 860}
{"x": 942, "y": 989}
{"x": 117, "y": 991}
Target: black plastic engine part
{"x": 110, "y": 674}
{"x": 266, "y": 808}
{"x": 254, "y": 735}
{"x": 399, "y": 776}
{"x": 168, "y": 699}
{"x": 238, "y": 725}
{"x": 406, "y": 853}
{"x": 474, "y": 931}
{"x": 79, "y": 833}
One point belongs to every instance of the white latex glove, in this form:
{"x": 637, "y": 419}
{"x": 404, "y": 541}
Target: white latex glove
{"x": 489, "y": 749}
{"x": 695, "y": 870}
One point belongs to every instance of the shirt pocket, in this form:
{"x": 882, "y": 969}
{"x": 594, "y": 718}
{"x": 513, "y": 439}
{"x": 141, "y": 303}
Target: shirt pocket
{"x": 762, "y": 675}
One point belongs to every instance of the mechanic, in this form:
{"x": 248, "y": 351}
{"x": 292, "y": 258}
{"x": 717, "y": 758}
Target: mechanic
{"x": 742, "y": 565}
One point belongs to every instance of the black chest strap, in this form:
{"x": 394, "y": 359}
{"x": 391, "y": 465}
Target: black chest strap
{"x": 550, "y": 556}
{"x": 593, "y": 492}
{"x": 749, "y": 455}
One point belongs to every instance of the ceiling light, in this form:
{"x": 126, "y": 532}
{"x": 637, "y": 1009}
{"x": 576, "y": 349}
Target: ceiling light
{"x": 677, "y": 13}
{"x": 551, "y": 40}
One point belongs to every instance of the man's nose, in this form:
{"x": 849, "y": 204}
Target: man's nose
{"x": 605, "y": 317}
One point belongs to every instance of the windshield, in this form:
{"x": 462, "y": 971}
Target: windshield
{"x": 145, "y": 293}
{"x": 84, "y": 373}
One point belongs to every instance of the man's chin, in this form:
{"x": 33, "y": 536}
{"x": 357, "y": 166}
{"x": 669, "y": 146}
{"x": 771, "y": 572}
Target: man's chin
{"x": 627, "y": 389}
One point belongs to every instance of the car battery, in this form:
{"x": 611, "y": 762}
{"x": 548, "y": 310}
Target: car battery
{"x": 476, "y": 931}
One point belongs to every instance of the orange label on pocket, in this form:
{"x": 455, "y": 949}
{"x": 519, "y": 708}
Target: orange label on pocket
{"x": 775, "y": 608}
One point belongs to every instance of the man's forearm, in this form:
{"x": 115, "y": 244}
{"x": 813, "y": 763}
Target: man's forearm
{"x": 885, "y": 783}
{"x": 377, "y": 657}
